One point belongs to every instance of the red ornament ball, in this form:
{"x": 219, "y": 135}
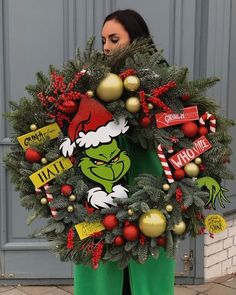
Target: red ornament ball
{"x": 145, "y": 121}
{"x": 183, "y": 208}
{"x": 66, "y": 190}
{"x": 161, "y": 241}
{"x": 202, "y": 130}
{"x": 69, "y": 106}
{"x": 190, "y": 129}
{"x": 179, "y": 174}
{"x": 119, "y": 241}
{"x": 32, "y": 156}
{"x": 110, "y": 221}
{"x": 131, "y": 232}
{"x": 185, "y": 97}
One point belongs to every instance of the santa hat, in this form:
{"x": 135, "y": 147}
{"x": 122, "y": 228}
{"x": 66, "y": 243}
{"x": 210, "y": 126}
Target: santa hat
{"x": 92, "y": 125}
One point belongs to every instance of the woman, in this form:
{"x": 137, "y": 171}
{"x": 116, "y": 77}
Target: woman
{"x": 155, "y": 277}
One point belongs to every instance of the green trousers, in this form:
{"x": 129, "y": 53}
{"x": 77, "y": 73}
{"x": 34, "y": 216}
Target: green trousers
{"x": 155, "y": 277}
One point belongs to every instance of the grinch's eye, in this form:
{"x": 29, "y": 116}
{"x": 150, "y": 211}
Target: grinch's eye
{"x": 115, "y": 159}
{"x": 98, "y": 162}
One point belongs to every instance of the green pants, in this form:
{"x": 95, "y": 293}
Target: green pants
{"x": 155, "y": 277}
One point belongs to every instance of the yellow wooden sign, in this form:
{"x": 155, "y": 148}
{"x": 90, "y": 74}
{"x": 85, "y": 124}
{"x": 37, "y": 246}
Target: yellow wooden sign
{"x": 39, "y": 136}
{"x": 50, "y": 171}
{"x": 215, "y": 223}
{"x": 86, "y": 229}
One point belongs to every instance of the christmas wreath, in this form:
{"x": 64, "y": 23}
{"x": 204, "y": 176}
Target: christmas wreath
{"x": 69, "y": 163}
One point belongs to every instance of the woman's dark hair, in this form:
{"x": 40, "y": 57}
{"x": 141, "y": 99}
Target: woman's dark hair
{"x": 133, "y": 23}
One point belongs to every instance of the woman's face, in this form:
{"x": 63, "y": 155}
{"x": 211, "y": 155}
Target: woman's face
{"x": 114, "y": 36}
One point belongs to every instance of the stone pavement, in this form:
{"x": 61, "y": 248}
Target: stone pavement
{"x": 222, "y": 286}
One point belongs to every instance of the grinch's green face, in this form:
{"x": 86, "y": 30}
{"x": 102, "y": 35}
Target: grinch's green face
{"x": 105, "y": 164}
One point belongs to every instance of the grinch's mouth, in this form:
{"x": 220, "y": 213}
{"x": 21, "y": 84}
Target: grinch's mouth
{"x": 97, "y": 172}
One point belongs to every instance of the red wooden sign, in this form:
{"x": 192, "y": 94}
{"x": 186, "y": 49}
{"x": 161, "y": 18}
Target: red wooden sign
{"x": 165, "y": 120}
{"x": 185, "y": 156}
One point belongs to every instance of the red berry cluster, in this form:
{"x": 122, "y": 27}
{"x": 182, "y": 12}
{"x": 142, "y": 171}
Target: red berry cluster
{"x": 155, "y": 99}
{"x": 127, "y": 73}
{"x": 178, "y": 195}
{"x": 97, "y": 254}
{"x": 62, "y": 98}
{"x": 70, "y": 239}
{"x": 199, "y": 215}
{"x": 142, "y": 239}
{"x": 201, "y": 230}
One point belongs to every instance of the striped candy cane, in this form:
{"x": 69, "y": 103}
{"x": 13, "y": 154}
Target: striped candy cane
{"x": 207, "y": 116}
{"x": 49, "y": 197}
{"x": 164, "y": 162}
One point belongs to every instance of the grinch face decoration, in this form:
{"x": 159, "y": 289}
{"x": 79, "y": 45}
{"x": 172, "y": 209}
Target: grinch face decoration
{"x": 94, "y": 129}
{"x": 105, "y": 164}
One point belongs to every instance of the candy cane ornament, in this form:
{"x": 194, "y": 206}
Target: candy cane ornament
{"x": 49, "y": 197}
{"x": 164, "y": 162}
{"x": 207, "y": 116}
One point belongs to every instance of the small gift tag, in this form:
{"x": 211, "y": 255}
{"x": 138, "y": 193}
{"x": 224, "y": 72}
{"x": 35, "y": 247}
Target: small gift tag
{"x": 215, "y": 223}
{"x": 86, "y": 229}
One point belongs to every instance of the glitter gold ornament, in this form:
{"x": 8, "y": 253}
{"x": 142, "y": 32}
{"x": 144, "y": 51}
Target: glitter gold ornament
{"x": 131, "y": 83}
{"x": 33, "y": 127}
{"x": 130, "y": 212}
{"x": 43, "y": 201}
{"x": 198, "y": 161}
{"x": 44, "y": 161}
{"x": 72, "y": 198}
{"x": 132, "y": 104}
{"x": 70, "y": 208}
{"x": 169, "y": 208}
{"x": 110, "y": 88}
{"x": 191, "y": 169}
{"x": 152, "y": 223}
{"x": 90, "y": 93}
{"x": 179, "y": 228}
{"x": 166, "y": 186}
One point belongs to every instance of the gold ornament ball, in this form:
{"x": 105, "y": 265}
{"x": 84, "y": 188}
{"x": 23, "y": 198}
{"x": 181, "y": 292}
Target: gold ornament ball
{"x": 110, "y": 88}
{"x": 72, "y": 198}
{"x": 152, "y": 223}
{"x": 191, "y": 169}
{"x": 44, "y": 161}
{"x": 179, "y": 228}
{"x": 132, "y": 104}
{"x": 33, "y": 127}
{"x": 169, "y": 208}
{"x": 198, "y": 161}
{"x": 70, "y": 208}
{"x": 150, "y": 106}
{"x": 43, "y": 201}
{"x": 131, "y": 83}
{"x": 166, "y": 186}
{"x": 90, "y": 93}
{"x": 130, "y": 212}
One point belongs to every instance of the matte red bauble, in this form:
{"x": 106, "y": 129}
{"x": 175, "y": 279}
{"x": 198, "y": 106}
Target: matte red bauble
{"x": 110, "y": 221}
{"x": 185, "y": 97}
{"x": 66, "y": 190}
{"x": 119, "y": 241}
{"x": 190, "y": 129}
{"x": 69, "y": 106}
{"x": 145, "y": 121}
{"x": 32, "y": 155}
{"x": 202, "y": 130}
{"x": 179, "y": 174}
{"x": 131, "y": 232}
{"x": 161, "y": 241}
